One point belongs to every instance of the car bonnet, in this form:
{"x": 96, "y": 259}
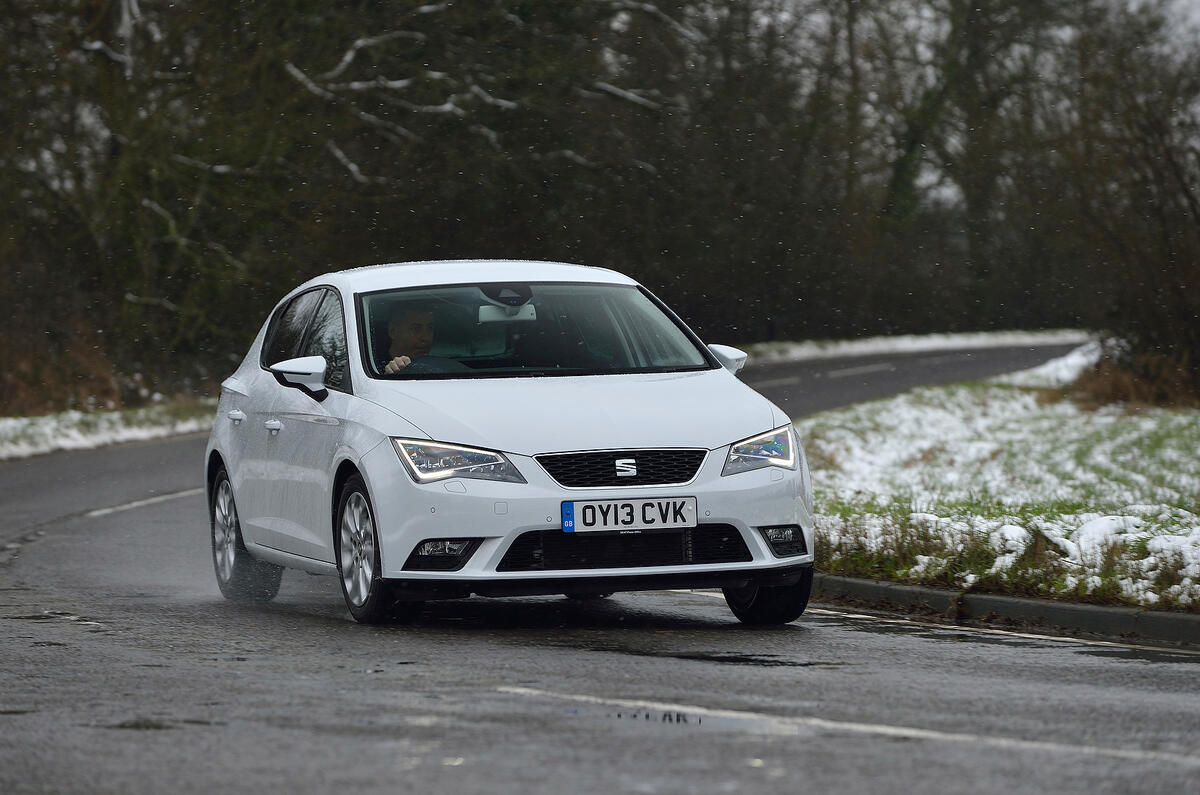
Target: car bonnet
{"x": 539, "y": 415}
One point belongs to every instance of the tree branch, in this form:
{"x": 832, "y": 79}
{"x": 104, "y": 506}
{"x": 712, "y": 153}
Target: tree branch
{"x": 352, "y": 167}
{"x": 626, "y": 95}
{"x": 350, "y": 54}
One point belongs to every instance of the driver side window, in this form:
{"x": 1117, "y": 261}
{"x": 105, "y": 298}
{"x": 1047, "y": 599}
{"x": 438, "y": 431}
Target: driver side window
{"x": 328, "y": 338}
{"x": 287, "y": 330}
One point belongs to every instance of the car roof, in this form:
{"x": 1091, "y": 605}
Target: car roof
{"x": 398, "y": 275}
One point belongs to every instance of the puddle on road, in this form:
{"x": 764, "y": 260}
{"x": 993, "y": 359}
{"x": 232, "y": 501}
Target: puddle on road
{"x": 152, "y": 724}
{"x": 53, "y": 615}
{"x": 761, "y": 660}
{"x": 721, "y": 658}
{"x": 140, "y": 724}
{"x": 35, "y": 617}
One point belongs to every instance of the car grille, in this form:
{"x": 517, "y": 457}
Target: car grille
{"x": 599, "y": 469}
{"x": 552, "y": 550}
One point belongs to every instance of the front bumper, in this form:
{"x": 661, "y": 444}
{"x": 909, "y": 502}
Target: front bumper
{"x": 423, "y": 589}
{"x": 408, "y": 513}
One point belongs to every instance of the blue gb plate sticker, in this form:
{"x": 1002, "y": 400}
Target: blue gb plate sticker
{"x": 568, "y": 517}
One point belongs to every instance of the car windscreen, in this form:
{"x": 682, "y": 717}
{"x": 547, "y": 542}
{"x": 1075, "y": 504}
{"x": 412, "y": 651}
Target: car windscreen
{"x": 521, "y": 329}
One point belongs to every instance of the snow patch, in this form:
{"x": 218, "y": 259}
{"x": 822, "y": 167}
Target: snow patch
{"x": 21, "y": 437}
{"x": 1056, "y": 372}
{"x": 828, "y": 349}
{"x": 1107, "y": 496}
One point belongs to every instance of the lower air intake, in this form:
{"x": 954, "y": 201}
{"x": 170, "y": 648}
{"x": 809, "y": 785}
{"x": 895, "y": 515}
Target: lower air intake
{"x": 554, "y": 550}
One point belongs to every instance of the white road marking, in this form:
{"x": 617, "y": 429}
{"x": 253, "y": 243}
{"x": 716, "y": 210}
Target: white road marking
{"x": 954, "y": 357}
{"x": 129, "y": 506}
{"x": 790, "y": 725}
{"x": 845, "y": 372}
{"x": 977, "y": 630}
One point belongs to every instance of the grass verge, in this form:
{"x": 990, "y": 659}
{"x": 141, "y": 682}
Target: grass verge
{"x": 996, "y": 488}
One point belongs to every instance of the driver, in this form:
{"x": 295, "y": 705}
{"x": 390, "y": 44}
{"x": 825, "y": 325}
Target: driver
{"x": 410, "y": 330}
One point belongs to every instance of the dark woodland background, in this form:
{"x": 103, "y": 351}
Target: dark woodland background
{"x": 773, "y": 169}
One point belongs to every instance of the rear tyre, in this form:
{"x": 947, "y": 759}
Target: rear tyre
{"x": 770, "y": 604}
{"x": 371, "y": 599}
{"x": 240, "y": 577}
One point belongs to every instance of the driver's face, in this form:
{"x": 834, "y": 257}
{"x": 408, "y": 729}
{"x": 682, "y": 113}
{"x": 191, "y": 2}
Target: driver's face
{"x": 412, "y": 334}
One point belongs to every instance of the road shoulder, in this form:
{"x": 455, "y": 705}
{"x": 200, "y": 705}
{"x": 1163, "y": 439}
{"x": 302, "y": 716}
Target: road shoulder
{"x": 1124, "y": 623}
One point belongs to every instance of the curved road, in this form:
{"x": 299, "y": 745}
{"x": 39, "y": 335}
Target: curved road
{"x": 122, "y": 669}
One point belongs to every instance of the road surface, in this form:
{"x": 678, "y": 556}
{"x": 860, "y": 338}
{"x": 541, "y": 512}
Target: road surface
{"x": 123, "y": 670}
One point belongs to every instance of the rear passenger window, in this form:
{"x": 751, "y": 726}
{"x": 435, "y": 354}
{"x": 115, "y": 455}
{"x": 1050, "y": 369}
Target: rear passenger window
{"x": 287, "y": 330}
{"x": 328, "y": 339}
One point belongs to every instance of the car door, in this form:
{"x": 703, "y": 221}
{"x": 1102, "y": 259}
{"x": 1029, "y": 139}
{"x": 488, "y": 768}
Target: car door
{"x": 246, "y": 398}
{"x": 309, "y": 437}
{"x": 258, "y": 469}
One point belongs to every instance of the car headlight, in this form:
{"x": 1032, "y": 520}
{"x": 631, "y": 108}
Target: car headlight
{"x": 430, "y": 461}
{"x": 774, "y": 448}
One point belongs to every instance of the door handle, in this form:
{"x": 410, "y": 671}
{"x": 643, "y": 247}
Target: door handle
{"x": 274, "y": 426}
{"x": 237, "y": 415}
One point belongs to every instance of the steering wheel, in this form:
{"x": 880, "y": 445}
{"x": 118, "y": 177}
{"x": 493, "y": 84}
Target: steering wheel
{"x": 435, "y": 364}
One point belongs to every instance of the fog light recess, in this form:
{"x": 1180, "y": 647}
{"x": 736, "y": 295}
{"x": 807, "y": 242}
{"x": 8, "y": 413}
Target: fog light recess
{"x": 442, "y": 554}
{"x": 785, "y": 540}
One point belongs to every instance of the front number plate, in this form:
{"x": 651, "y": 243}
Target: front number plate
{"x": 594, "y": 515}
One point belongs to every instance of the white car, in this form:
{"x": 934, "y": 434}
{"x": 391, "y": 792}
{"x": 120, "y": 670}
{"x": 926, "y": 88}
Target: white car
{"x": 434, "y": 430}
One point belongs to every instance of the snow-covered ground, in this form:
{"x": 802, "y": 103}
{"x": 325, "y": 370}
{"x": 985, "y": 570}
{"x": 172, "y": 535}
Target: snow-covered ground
{"x": 828, "y": 349}
{"x": 992, "y": 484}
{"x": 77, "y": 430}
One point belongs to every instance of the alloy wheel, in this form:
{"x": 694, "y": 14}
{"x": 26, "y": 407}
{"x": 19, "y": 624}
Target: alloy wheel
{"x": 224, "y": 531}
{"x": 357, "y": 548}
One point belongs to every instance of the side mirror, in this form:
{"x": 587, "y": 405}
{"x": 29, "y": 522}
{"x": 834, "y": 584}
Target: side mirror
{"x": 306, "y": 374}
{"x": 731, "y": 359}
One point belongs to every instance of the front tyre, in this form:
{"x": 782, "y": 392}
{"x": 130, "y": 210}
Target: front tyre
{"x": 770, "y": 604}
{"x": 240, "y": 577}
{"x": 370, "y": 598}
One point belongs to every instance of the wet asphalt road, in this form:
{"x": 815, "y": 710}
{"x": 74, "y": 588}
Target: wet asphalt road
{"x": 802, "y": 388}
{"x": 122, "y": 670}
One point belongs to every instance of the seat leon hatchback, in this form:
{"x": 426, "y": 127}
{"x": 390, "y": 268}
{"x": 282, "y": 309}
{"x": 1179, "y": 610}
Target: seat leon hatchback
{"x": 437, "y": 430}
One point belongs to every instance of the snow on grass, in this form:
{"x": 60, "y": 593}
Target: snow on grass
{"x": 75, "y": 430}
{"x": 992, "y": 486}
{"x": 828, "y": 349}
{"x": 1056, "y": 372}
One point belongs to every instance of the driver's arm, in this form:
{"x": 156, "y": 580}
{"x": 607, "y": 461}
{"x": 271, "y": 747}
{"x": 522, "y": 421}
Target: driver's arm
{"x": 397, "y": 364}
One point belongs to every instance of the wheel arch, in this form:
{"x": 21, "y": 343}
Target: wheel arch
{"x": 214, "y": 465}
{"x": 346, "y": 470}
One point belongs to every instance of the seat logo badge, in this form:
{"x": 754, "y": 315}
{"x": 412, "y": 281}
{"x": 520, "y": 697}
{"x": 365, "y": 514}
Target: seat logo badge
{"x": 626, "y": 467}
